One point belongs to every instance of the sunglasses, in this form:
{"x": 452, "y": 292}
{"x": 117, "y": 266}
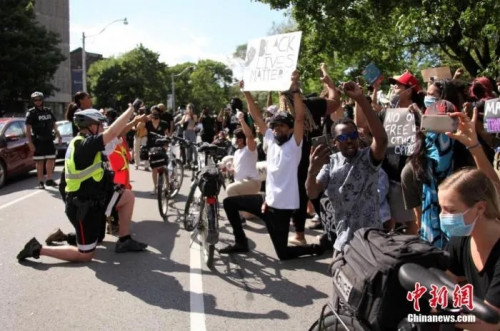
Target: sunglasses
{"x": 343, "y": 137}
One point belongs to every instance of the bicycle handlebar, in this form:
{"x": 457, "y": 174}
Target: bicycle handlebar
{"x": 411, "y": 273}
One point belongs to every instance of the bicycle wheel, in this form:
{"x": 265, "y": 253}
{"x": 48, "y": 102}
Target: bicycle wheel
{"x": 206, "y": 232}
{"x": 176, "y": 178}
{"x": 191, "y": 209}
{"x": 163, "y": 195}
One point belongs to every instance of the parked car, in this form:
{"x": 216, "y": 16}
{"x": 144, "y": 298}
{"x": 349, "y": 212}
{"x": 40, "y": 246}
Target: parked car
{"x": 15, "y": 155}
{"x": 66, "y": 130}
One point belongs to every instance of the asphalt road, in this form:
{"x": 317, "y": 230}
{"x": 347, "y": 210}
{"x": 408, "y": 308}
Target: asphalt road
{"x": 166, "y": 288}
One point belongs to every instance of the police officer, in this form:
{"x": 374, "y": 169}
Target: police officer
{"x": 40, "y": 123}
{"x": 89, "y": 187}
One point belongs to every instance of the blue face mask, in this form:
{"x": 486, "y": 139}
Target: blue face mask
{"x": 453, "y": 225}
{"x": 429, "y": 100}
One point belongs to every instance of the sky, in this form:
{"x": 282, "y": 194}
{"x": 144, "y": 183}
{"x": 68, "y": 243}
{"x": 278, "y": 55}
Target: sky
{"x": 179, "y": 30}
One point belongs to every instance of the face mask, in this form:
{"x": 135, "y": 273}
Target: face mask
{"x": 453, "y": 225}
{"x": 280, "y": 140}
{"x": 429, "y": 100}
{"x": 395, "y": 100}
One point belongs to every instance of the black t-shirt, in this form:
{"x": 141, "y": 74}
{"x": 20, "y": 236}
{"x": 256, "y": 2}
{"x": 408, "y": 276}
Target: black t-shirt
{"x": 487, "y": 281}
{"x": 85, "y": 152}
{"x": 208, "y": 123}
{"x": 168, "y": 118}
{"x": 317, "y": 106}
{"x": 42, "y": 122}
{"x": 160, "y": 129}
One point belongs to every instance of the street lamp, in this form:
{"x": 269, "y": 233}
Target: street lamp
{"x": 84, "y": 54}
{"x": 173, "y": 84}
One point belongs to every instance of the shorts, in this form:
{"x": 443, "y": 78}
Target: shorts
{"x": 91, "y": 229}
{"x": 396, "y": 202}
{"x": 44, "y": 149}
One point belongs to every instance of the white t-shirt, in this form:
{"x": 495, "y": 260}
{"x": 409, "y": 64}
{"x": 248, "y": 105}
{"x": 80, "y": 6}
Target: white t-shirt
{"x": 244, "y": 162}
{"x": 282, "y": 188}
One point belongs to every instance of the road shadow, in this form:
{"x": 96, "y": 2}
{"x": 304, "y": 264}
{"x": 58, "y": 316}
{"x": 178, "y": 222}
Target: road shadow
{"x": 151, "y": 276}
{"x": 258, "y": 273}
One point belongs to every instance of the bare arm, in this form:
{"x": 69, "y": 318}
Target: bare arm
{"x": 251, "y": 144}
{"x": 300, "y": 109}
{"x": 118, "y": 125}
{"x": 379, "y": 144}
{"x": 467, "y": 135}
{"x": 318, "y": 157}
{"x": 333, "y": 98}
{"x": 132, "y": 124}
{"x": 254, "y": 111}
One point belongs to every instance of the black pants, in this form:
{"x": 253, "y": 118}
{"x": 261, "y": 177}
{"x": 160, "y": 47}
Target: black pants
{"x": 277, "y": 223}
{"x": 299, "y": 216}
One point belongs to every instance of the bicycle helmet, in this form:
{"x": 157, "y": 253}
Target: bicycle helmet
{"x": 36, "y": 94}
{"x": 83, "y": 119}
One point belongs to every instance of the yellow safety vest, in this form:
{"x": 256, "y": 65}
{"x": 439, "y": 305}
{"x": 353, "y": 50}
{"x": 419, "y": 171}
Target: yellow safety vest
{"x": 74, "y": 177}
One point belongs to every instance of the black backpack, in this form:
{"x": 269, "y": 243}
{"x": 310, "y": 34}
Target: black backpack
{"x": 365, "y": 275}
{"x": 210, "y": 181}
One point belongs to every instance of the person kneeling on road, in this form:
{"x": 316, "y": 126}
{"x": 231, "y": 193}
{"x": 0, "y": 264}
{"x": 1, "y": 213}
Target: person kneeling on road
{"x": 88, "y": 187}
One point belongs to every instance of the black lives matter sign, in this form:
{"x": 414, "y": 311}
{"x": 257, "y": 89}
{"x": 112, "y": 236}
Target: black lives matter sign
{"x": 270, "y": 62}
{"x": 492, "y": 115}
{"x": 401, "y": 130}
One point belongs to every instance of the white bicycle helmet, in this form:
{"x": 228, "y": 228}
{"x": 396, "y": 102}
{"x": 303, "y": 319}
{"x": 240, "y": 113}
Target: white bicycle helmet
{"x": 84, "y": 118}
{"x": 36, "y": 94}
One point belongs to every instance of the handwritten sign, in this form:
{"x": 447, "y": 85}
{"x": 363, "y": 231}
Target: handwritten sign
{"x": 401, "y": 130}
{"x": 492, "y": 115}
{"x": 270, "y": 62}
{"x": 437, "y": 73}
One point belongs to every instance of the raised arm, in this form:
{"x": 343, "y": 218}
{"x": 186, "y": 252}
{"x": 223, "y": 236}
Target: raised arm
{"x": 133, "y": 123}
{"x": 300, "y": 108}
{"x": 254, "y": 111}
{"x": 118, "y": 125}
{"x": 466, "y": 134}
{"x": 333, "y": 99}
{"x": 318, "y": 157}
{"x": 251, "y": 144}
{"x": 379, "y": 144}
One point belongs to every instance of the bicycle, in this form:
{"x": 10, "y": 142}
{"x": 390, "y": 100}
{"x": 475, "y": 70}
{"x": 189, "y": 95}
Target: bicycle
{"x": 408, "y": 275}
{"x": 170, "y": 172}
{"x": 201, "y": 212}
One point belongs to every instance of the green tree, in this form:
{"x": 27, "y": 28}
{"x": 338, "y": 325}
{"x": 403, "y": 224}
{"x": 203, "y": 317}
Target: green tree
{"x": 347, "y": 34}
{"x": 30, "y": 54}
{"x": 209, "y": 85}
{"x": 115, "y": 82}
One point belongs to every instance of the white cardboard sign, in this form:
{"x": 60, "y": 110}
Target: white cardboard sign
{"x": 270, "y": 61}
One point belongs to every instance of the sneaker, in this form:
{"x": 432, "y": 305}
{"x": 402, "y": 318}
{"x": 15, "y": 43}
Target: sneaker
{"x": 41, "y": 186}
{"x": 129, "y": 245}
{"x": 50, "y": 182}
{"x": 31, "y": 249}
{"x": 234, "y": 249}
{"x": 56, "y": 235}
{"x": 296, "y": 241}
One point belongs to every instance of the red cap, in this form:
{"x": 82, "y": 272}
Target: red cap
{"x": 406, "y": 79}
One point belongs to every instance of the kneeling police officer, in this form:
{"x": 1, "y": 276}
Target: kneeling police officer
{"x": 89, "y": 187}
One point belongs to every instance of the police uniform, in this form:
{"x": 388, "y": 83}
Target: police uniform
{"x": 89, "y": 187}
{"x": 42, "y": 125}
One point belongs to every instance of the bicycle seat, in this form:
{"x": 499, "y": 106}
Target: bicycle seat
{"x": 411, "y": 273}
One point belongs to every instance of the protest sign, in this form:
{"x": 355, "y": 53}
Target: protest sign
{"x": 401, "y": 130}
{"x": 492, "y": 115}
{"x": 371, "y": 73}
{"x": 436, "y": 73}
{"x": 270, "y": 62}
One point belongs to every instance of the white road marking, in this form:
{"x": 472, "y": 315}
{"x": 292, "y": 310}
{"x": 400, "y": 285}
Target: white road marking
{"x": 20, "y": 199}
{"x": 197, "y": 306}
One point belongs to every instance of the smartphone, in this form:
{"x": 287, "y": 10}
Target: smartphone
{"x": 438, "y": 123}
{"x": 318, "y": 141}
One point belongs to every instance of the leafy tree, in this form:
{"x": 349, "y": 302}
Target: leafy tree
{"x": 347, "y": 34}
{"x": 30, "y": 54}
{"x": 115, "y": 82}
{"x": 210, "y": 85}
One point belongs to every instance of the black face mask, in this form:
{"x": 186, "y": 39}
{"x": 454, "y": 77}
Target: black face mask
{"x": 280, "y": 140}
